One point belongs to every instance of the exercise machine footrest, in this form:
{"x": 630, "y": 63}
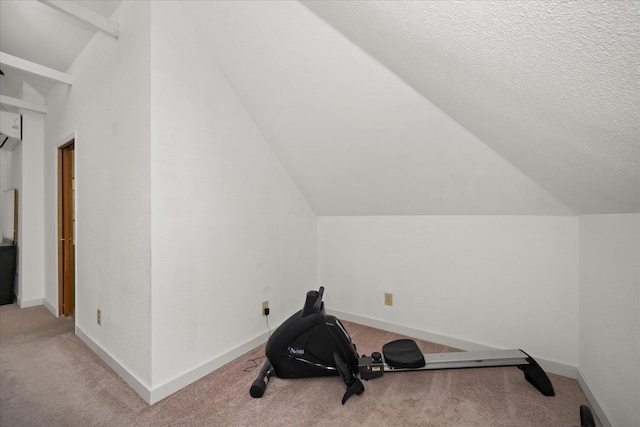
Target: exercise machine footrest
{"x": 403, "y": 354}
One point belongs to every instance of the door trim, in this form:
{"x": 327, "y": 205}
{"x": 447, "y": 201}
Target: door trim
{"x": 66, "y": 265}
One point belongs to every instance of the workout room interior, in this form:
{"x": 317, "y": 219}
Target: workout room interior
{"x": 478, "y": 160}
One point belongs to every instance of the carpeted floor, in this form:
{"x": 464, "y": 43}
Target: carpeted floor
{"x": 48, "y": 377}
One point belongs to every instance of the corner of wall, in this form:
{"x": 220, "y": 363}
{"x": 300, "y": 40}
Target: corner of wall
{"x": 134, "y": 382}
{"x": 595, "y": 403}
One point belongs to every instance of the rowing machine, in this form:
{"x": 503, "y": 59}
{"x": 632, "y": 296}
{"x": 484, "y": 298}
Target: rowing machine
{"x": 312, "y": 344}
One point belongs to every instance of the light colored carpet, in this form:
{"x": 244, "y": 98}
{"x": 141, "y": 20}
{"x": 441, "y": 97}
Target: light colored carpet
{"x": 48, "y": 377}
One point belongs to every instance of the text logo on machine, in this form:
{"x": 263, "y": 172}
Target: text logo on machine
{"x": 294, "y": 351}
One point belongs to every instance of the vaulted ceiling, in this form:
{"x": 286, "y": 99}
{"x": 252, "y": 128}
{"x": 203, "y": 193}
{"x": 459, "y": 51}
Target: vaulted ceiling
{"x": 465, "y": 107}
{"x": 417, "y": 107}
{"x": 553, "y": 87}
{"x": 37, "y": 33}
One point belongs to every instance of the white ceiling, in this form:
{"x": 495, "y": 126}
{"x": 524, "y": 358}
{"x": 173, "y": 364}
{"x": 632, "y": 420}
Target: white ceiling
{"x": 355, "y": 138}
{"x": 414, "y": 107}
{"x": 522, "y": 107}
{"x": 551, "y": 86}
{"x": 33, "y": 31}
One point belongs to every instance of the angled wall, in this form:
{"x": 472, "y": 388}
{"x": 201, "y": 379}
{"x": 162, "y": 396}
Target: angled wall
{"x": 185, "y": 219}
{"x": 355, "y": 138}
{"x": 229, "y": 227}
{"x": 550, "y": 86}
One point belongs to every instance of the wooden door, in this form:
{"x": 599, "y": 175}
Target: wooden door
{"x": 66, "y": 240}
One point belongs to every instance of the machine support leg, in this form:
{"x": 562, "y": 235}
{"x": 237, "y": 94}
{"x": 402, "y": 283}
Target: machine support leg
{"x": 536, "y": 376}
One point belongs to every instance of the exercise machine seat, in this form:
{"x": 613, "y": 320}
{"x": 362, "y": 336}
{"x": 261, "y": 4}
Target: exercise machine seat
{"x": 403, "y": 354}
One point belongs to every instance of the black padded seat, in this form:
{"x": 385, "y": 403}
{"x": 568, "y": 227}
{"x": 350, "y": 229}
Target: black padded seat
{"x": 403, "y": 354}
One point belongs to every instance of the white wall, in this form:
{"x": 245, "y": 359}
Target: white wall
{"x": 229, "y": 227}
{"x": 108, "y": 111}
{"x": 31, "y": 250}
{"x": 497, "y": 281}
{"x": 610, "y": 313}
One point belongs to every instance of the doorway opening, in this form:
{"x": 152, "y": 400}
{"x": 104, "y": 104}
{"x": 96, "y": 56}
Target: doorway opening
{"x": 66, "y": 229}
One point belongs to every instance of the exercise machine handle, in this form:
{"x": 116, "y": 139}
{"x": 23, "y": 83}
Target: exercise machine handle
{"x": 313, "y": 303}
{"x": 318, "y": 303}
{"x": 260, "y": 384}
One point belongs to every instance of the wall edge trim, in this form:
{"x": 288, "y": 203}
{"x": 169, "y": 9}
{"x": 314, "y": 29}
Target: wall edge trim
{"x": 132, "y": 380}
{"x": 596, "y": 407}
{"x": 30, "y": 302}
{"x": 171, "y": 386}
{"x": 50, "y": 307}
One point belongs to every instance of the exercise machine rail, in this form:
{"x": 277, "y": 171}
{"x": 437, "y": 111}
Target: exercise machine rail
{"x": 374, "y": 366}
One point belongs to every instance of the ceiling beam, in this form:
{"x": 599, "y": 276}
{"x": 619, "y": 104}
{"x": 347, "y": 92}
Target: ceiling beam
{"x": 86, "y": 16}
{"x": 20, "y": 103}
{"x": 33, "y": 68}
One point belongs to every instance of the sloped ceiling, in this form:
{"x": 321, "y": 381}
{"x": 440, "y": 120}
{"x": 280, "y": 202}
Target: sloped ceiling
{"x": 430, "y": 107}
{"x": 33, "y": 31}
{"x": 551, "y": 86}
{"x": 440, "y": 107}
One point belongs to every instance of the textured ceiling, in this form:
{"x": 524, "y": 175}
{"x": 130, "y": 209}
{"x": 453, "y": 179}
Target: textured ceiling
{"x": 429, "y": 107}
{"x": 356, "y": 139}
{"x": 553, "y": 87}
{"x": 550, "y": 87}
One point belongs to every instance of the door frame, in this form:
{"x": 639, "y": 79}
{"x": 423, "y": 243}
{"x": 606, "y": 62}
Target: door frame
{"x": 66, "y": 282}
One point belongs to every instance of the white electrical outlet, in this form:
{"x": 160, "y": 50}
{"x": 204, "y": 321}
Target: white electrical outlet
{"x": 388, "y": 298}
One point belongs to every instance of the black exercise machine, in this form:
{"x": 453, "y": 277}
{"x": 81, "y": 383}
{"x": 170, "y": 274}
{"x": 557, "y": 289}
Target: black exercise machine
{"x": 313, "y": 344}
{"x": 586, "y": 417}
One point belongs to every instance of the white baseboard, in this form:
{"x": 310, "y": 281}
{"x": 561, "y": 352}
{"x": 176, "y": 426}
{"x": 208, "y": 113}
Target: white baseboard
{"x": 596, "y": 407}
{"x": 30, "y": 302}
{"x": 156, "y": 394}
{"x": 548, "y": 365}
{"x": 170, "y": 387}
{"x": 50, "y": 307}
{"x": 134, "y": 382}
